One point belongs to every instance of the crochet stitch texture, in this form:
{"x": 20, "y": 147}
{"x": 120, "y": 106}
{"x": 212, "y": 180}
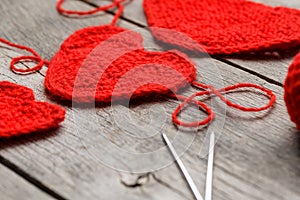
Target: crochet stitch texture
{"x": 21, "y": 114}
{"x": 108, "y": 63}
{"x": 292, "y": 91}
{"x": 97, "y": 62}
{"x": 224, "y": 27}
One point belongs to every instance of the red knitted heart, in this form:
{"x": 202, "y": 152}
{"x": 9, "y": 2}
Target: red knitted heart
{"x": 107, "y": 63}
{"x": 292, "y": 91}
{"x": 96, "y": 63}
{"x": 224, "y": 27}
{"x": 21, "y": 114}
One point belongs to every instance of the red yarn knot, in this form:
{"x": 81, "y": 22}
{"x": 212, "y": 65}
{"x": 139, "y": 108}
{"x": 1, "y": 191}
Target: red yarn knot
{"x": 211, "y": 90}
{"x": 35, "y": 58}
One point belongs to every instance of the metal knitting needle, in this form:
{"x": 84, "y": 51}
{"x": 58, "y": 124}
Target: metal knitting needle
{"x": 210, "y": 163}
{"x": 182, "y": 168}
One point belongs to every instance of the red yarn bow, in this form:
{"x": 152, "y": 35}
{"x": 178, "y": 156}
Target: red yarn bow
{"x": 210, "y": 90}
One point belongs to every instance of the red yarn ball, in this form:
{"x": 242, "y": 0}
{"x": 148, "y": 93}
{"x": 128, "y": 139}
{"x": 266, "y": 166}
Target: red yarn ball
{"x": 292, "y": 91}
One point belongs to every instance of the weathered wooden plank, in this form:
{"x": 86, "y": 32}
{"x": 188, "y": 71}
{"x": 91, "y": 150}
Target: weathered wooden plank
{"x": 90, "y": 180}
{"x": 246, "y": 157}
{"x": 273, "y": 66}
{"x": 13, "y": 186}
{"x": 95, "y": 180}
{"x": 61, "y": 161}
{"x": 251, "y": 163}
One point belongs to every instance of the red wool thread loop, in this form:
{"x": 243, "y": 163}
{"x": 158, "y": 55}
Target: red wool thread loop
{"x": 202, "y": 105}
{"x": 211, "y": 90}
{"x": 35, "y": 58}
{"x": 115, "y": 3}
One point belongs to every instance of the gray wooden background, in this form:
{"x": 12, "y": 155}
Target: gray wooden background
{"x": 257, "y": 155}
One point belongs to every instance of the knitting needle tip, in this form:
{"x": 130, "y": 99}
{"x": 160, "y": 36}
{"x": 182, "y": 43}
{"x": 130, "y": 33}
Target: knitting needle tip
{"x": 183, "y": 169}
{"x": 210, "y": 162}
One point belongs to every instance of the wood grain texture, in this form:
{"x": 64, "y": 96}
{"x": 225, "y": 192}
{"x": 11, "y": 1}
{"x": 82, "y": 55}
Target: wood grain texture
{"x": 257, "y": 155}
{"x": 13, "y": 186}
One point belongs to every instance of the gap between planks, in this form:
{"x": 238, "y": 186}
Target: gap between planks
{"x": 30, "y": 178}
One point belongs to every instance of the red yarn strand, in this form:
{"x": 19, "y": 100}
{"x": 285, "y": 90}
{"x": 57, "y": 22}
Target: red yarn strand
{"x": 35, "y": 58}
{"x": 119, "y": 13}
{"x": 115, "y": 3}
